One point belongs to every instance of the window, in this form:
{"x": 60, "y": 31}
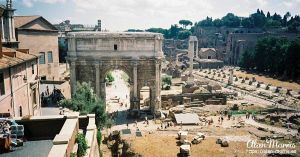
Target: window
{"x": 50, "y": 57}
{"x": 208, "y": 57}
{"x": 32, "y": 68}
{"x": 2, "y": 89}
{"x": 20, "y": 111}
{"x": 33, "y": 96}
{"x": 115, "y": 47}
{"x": 42, "y": 58}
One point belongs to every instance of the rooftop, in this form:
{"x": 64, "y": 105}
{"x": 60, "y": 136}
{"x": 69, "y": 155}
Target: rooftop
{"x": 13, "y": 57}
{"x": 114, "y": 34}
{"x": 23, "y": 20}
{"x": 206, "y": 49}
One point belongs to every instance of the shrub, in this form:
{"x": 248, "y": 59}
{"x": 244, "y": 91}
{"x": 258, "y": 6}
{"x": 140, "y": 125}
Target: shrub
{"x": 82, "y": 145}
{"x": 99, "y": 136}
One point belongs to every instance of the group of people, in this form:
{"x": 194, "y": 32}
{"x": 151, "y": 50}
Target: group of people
{"x": 165, "y": 125}
{"x": 248, "y": 115}
{"x": 55, "y": 96}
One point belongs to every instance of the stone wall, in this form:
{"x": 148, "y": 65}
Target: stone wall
{"x": 196, "y": 96}
{"x": 37, "y": 127}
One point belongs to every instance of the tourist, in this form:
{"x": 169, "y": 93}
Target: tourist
{"x": 222, "y": 119}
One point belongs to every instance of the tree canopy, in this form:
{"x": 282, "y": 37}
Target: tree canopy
{"x": 185, "y": 23}
{"x": 277, "y": 56}
{"x": 257, "y": 19}
{"x": 85, "y": 101}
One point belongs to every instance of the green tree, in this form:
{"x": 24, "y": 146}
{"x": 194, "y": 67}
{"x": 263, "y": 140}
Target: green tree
{"x": 230, "y": 20}
{"x": 247, "y": 60}
{"x": 273, "y": 24}
{"x": 158, "y": 30}
{"x": 85, "y": 101}
{"x": 166, "y": 82}
{"x": 208, "y": 22}
{"x": 173, "y": 31}
{"x": 247, "y": 22}
{"x": 285, "y": 18}
{"x": 109, "y": 77}
{"x": 218, "y": 23}
{"x": 82, "y": 145}
{"x": 184, "y": 34}
{"x": 259, "y": 19}
{"x": 292, "y": 60}
{"x": 185, "y": 23}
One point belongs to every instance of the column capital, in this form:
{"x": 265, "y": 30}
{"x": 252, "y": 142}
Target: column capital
{"x": 134, "y": 62}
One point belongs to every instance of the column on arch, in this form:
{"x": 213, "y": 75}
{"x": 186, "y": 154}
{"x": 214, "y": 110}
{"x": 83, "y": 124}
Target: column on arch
{"x": 73, "y": 76}
{"x": 157, "y": 86}
{"x": 97, "y": 67}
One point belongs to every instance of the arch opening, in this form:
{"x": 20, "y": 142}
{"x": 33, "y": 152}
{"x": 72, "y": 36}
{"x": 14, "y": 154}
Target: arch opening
{"x": 145, "y": 98}
{"x": 117, "y": 91}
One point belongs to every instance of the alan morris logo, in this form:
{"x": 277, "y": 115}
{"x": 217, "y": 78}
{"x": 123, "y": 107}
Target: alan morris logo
{"x": 269, "y": 143}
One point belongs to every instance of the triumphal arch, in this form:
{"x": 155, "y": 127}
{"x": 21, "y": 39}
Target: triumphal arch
{"x": 92, "y": 55}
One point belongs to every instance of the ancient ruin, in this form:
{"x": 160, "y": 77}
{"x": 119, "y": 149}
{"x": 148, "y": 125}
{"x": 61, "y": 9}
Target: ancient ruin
{"x": 93, "y": 54}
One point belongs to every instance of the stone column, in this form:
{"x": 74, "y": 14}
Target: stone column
{"x": 156, "y": 92}
{"x": 10, "y": 28}
{"x": 103, "y": 90}
{"x": 135, "y": 79}
{"x": 131, "y": 96}
{"x": 13, "y": 29}
{"x": 191, "y": 56}
{"x": 2, "y": 26}
{"x": 97, "y": 67}
{"x": 73, "y": 76}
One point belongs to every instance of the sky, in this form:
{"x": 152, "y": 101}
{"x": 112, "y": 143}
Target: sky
{"x": 120, "y": 15}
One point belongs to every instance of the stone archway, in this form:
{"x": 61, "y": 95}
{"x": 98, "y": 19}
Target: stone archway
{"x": 139, "y": 55}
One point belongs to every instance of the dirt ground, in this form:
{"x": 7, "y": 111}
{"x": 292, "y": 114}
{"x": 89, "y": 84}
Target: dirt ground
{"x": 156, "y": 145}
{"x": 268, "y": 80}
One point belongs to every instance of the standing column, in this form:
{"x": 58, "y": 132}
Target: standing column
{"x": 13, "y": 29}
{"x": 97, "y": 67}
{"x": 157, "y": 86}
{"x": 2, "y": 26}
{"x": 10, "y": 29}
{"x": 135, "y": 80}
{"x": 73, "y": 76}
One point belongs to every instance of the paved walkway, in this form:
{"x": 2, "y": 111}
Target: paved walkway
{"x": 269, "y": 127}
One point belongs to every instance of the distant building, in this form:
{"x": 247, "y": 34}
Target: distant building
{"x": 238, "y": 43}
{"x": 64, "y": 28}
{"x": 40, "y": 36}
{"x": 208, "y": 58}
{"x": 207, "y": 53}
{"x": 19, "y": 84}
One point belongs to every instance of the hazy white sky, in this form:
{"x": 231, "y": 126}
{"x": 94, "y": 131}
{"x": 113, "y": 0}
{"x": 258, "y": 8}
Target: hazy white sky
{"x": 141, "y": 14}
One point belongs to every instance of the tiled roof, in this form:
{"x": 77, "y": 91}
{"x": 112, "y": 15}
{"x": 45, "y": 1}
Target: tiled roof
{"x": 20, "y": 57}
{"x": 23, "y": 20}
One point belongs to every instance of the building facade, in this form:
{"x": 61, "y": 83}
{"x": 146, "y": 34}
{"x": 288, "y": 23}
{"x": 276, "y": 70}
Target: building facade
{"x": 207, "y": 53}
{"x": 41, "y": 37}
{"x": 19, "y": 83}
